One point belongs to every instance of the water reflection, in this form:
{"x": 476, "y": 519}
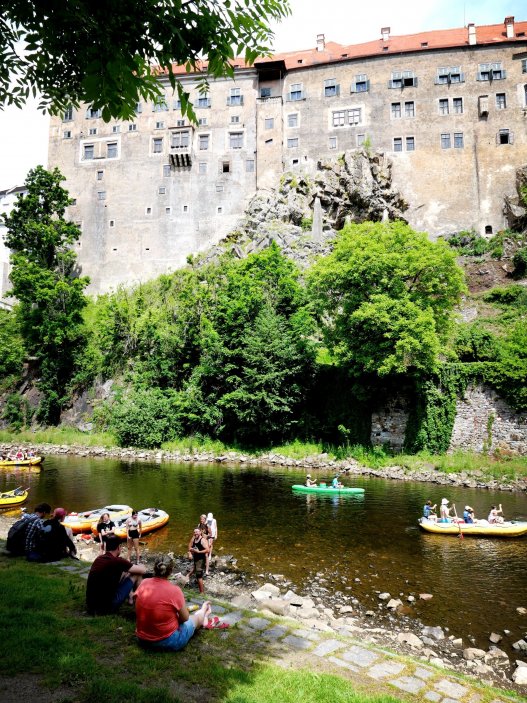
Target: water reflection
{"x": 373, "y": 537}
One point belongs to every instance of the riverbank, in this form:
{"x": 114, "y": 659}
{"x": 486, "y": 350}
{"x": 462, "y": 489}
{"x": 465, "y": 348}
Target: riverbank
{"x": 386, "y": 624}
{"x": 271, "y": 625}
{"x": 322, "y": 464}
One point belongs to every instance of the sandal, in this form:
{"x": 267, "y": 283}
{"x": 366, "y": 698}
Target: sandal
{"x": 215, "y": 624}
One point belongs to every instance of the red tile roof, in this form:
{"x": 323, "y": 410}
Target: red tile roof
{"x": 436, "y": 39}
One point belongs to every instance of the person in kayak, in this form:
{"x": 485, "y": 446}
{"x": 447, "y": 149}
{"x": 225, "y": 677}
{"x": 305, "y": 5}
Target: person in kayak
{"x": 468, "y": 515}
{"x": 336, "y": 482}
{"x": 495, "y": 518}
{"x": 429, "y": 511}
{"x": 444, "y": 511}
{"x": 310, "y": 481}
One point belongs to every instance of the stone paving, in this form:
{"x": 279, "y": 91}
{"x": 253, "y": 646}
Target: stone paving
{"x": 401, "y": 676}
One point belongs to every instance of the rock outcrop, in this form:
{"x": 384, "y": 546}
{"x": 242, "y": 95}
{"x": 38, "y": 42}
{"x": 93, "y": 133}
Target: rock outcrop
{"x": 515, "y": 207}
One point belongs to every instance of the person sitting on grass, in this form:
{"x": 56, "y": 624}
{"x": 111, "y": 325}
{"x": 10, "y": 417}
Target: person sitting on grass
{"x": 163, "y": 621}
{"x": 111, "y": 580}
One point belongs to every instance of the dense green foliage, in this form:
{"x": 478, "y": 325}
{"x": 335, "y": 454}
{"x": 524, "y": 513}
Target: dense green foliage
{"x": 50, "y": 296}
{"x": 69, "y": 59}
{"x": 11, "y": 345}
{"x": 385, "y": 296}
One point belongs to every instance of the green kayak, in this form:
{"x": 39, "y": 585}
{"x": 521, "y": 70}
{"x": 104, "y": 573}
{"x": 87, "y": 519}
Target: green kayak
{"x": 326, "y": 489}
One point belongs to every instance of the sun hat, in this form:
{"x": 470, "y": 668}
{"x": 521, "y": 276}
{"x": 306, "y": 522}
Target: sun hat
{"x": 210, "y": 517}
{"x": 467, "y": 507}
{"x": 444, "y": 501}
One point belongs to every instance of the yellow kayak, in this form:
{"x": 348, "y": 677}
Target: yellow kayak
{"x": 82, "y": 522}
{"x": 481, "y": 528}
{"x": 32, "y": 461}
{"x": 13, "y": 498}
{"x": 151, "y": 519}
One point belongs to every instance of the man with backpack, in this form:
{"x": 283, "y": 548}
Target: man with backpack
{"x": 18, "y": 538}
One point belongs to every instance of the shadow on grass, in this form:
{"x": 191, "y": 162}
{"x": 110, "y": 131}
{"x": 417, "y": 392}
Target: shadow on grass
{"x": 45, "y": 632}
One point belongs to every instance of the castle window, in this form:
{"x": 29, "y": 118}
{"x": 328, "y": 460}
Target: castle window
{"x": 88, "y": 152}
{"x": 160, "y": 125}
{"x": 161, "y": 190}
{"x": 157, "y": 145}
{"x": 292, "y": 143}
{"x": 269, "y": 123}
{"x": 185, "y": 208}
{"x": 160, "y": 106}
{"x": 410, "y": 143}
{"x": 116, "y": 129}
{"x": 491, "y": 72}
{"x": 445, "y": 141}
{"x": 265, "y": 92}
{"x": 504, "y": 136}
{"x": 332, "y": 142}
{"x": 67, "y": 115}
{"x": 483, "y": 105}
{"x": 168, "y": 210}
{"x": 204, "y": 100}
{"x": 458, "y": 105}
{"x": 101, "y": 195}
{"x": 397, "y": 143}
{"x": 292, "y": 119}
{"x": 525, "y": 95}
{"x": 443, "y": 106}
{"x": 93, "y": 131}
{"x": 396, "y": 110}
{"x": 524, "y": 65}
{"x": 459, "y": 141}
{"x": 343, "y": 118}
{"x": 249, "y": 165}
{"x": 166, "y": 170}
{"x": 295, "y": 92}
{"x": 132, "y": 127}
{"x": 331, "y": 88}
{"x": 180, "y": 123}
{"x": 138, "y": 109}
{"x": 220, "y": 187}
{"x": 92, "y": 113}
{"x": 235, "y": 119}
{"x": 202, "y": 167}
{"x": 235, "y": 97}
{"x": 181, "y": 139}
{"x": 203, "y": 142}
{"x": 449, "y": 74}
{"x": 202, "y": 122}
{"x": 219, "y": 210}
{"x": 403, "y": 79}
{"x": 148, "y": 211}
{"x": 361, "y": 138}
{"x": 99, "y": 175}
{"x": 225, "y": 167}
{"x": 235, "y": 140}
{"x": 177, "y": 104}
{"x": 488, "y": 229}
{"x": 409, "y": 109}
{"x": 66, "y": 134}
{"x": 295, "y": 162}
{"x": 361, "y": 84}
{"x": 111, "y": 150}
{"x": 501, "y": 101}
{"x": 112, "y": 223}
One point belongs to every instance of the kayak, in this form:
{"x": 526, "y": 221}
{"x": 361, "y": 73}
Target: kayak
{"x": 480, "y": 529}
{"x": 82, "y": 522}
{"x": 32, "y": 461}
{"x": 13, "y": 498}
{"x": 151, "y": 519}
{"x": 327, "y": 489}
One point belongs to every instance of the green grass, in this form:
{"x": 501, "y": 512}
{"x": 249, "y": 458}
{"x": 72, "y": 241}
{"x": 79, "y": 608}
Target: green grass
{"x": 60, "y": 435}
{"x": 45, "y": 633}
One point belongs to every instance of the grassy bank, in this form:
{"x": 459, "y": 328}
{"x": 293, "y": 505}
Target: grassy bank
{"x": 490, "y": 465}
{"x": 47, "y": 638}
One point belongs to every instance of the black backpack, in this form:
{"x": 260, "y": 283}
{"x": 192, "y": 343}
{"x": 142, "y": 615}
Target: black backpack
{"x": 16, "y": 537}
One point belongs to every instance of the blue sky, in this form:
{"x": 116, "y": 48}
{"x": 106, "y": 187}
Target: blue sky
{"x": 23, "y": 133}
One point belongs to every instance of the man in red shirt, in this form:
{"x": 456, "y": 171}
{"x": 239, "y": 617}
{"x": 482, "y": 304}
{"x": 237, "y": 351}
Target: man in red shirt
{"x": 111, "y": 580}
{"x": 163, "y": 619}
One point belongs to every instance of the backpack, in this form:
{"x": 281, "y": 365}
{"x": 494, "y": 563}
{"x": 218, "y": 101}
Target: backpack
{"x": 16, "y": 537}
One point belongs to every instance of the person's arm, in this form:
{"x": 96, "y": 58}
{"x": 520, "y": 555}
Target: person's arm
{"x": 190, "y": 547}
{"x": 137, "y": 569}
{"x": 183, "y": 614}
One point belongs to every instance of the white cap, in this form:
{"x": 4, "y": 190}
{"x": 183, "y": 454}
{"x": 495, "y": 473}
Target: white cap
{"x": 444, "y": 501}
{"x": 210, "y": 517}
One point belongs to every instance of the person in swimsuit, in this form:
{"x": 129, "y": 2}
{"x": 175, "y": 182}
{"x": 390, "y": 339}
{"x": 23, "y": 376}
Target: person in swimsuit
{"x": 133, "y": 533}
{"x": 310, "y": 481}
{"x": 445, "y": 511}
{"x": 494, "y": 516}
{"x": 105, "y": 528}
{"x": 198, "y": 548}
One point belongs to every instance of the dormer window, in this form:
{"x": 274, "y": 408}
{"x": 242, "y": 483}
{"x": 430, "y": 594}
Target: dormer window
{"x": 331, "y": 88}
{"x": 449, "y": 74}
{"x": 491, "y": 72}
{"x": 361, "y": 84}
{"x": 403, "y": 79}
{"x": 92, "y": 114}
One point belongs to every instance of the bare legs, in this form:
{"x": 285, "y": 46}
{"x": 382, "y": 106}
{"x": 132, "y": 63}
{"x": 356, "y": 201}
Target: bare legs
{"x": 133, "y": 546}
{"x": 201, "y": 616}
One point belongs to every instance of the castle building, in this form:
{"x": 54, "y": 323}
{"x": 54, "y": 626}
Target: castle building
{"x": 449, "y": 108}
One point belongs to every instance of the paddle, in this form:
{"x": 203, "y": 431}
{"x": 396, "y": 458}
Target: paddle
{"x": 461, "y": 535}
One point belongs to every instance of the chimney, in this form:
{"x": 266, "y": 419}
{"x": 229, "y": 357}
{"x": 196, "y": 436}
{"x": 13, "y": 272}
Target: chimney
{"x": 385, "y": 33}
{"x": 321, "y": 42}
{"x": 472, "y": 34}
{"x": 509, "y": 27}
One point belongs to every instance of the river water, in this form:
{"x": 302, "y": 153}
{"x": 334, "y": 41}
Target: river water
{"x": 476, "y": 584}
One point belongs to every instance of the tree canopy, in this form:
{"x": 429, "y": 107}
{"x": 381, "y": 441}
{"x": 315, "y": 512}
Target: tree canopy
{"x": 385, "y": 296}
{"x": 109, "y": 54}
{"x": 50, "y": 295}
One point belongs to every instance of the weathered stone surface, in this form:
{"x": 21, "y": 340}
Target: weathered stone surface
{"x": 359, "y": 656}
{"x": 425, "y": 596}
{"x": 258, "y": 623}
{"x": 328, "y": 647}
{"x": 384, "y": 596}
{"x": 410, "y": 684}
{"x": 435, "y": 633}
{"x": 495, "y": 638}
{"x": 449, "y": 688}
{"x": 471, "y": 653}
{"x": 394, "y": 603}
{"x": 384, "y": 669}
{"x": 297, "y": 642}
{"x": 519, "y": 675}
{"x": 411, "y": 639}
